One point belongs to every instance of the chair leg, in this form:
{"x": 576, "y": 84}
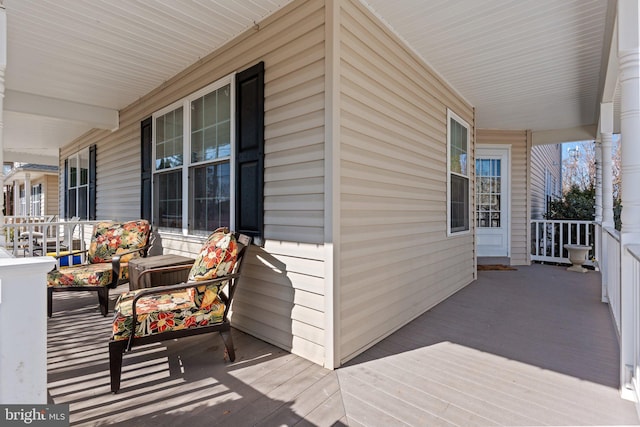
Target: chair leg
{"x": 116, "y": 350}
{"x": 228, "y": 344}
{"x": 103, "y": 299}
{"x": 49, "y": 301}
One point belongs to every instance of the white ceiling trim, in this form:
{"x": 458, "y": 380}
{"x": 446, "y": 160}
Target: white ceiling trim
{"x": 558, "y": 136}
{"x": 96, "y": 117}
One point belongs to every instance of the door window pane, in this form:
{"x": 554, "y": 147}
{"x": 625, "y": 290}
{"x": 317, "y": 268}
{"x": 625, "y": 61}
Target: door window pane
{"x": 488, "y": 193}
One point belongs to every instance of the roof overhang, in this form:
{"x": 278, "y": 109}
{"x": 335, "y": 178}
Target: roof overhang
{"x": 541, "y": 65}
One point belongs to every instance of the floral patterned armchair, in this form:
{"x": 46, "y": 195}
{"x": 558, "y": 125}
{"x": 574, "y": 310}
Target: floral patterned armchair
{"x": 112, "y": 245}
{"x": 197, "y": 306}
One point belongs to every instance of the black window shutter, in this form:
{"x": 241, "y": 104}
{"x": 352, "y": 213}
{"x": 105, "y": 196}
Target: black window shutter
{"x": 250, "y": 150}
{"x": 66, "y": 188}
{"x": 145, "y": 158}
{"x": 92, "y": 182}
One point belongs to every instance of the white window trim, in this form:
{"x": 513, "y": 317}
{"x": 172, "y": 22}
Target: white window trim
{"x": 185, "y": 103}
{"x": 470, "y": 162}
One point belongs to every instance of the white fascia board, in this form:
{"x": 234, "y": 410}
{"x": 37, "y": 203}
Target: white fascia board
{"x": 27, "y": 103}
{"x": 559, "y": 136}
{"x": 41, "y": 157}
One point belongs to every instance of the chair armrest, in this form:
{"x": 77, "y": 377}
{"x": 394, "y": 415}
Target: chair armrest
{"x": 163, "y": 289}
{"x": 71, "y": 253}
{"x": 115, "y": 263}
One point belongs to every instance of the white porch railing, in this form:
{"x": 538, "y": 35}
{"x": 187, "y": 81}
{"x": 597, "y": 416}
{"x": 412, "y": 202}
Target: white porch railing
{"x": 548, "y": 238}
{"x": 610, "y": 267}
{"x": 634, "y": 251}
{"x": 31, "y": 236}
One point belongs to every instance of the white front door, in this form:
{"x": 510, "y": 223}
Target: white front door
{"x": 492, "y": 201}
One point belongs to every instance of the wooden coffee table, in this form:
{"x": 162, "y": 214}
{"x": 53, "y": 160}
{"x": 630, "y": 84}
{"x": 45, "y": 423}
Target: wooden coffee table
{"x": 138, "y": 265}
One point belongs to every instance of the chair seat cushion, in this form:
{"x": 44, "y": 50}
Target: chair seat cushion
{"x": 170, "y": 311}
{"x": 85, "y": 275}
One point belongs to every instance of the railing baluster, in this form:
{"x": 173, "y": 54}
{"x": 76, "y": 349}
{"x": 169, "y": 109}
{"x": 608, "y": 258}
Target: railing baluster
{"x": 553, "y": 240}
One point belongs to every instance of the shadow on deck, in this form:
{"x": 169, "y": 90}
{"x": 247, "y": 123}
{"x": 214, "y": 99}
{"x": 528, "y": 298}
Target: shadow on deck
{"x": 528, "y": 347}
{"x": 185, "y": 382}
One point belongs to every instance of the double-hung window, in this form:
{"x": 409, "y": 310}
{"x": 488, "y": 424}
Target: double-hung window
{"x": 193, "y": 161}
{"x": 77, "y": 191}
{"x": 457, "y": 174}
{"x": 36, "y": 200}
{"x": 202, "y": 159}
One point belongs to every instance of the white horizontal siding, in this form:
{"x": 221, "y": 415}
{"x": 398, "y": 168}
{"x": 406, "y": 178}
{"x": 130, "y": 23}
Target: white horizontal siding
{"x": 396, "y": 259}
{"x": 50, "y": 189}
{"x": 279, "y": 299}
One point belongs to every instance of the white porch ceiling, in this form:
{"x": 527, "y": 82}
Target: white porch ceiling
{"x": 524, "y": 64}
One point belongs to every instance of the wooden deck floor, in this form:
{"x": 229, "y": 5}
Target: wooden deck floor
{"x": 527, "y": 347}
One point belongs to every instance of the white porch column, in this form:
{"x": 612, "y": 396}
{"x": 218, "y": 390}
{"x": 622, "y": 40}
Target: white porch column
{"x": 629, "y": 60}
{"x": 605, "y": 182}
{"x": 598, "y": 181}
{"x": 27, "y": 194}
{"x": 16, "y": 198}
{"x": 606, "y": 135}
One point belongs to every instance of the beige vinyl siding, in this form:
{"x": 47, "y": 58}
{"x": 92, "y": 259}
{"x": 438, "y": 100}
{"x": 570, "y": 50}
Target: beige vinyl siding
{"x": 50, "y": 190}
{"x": 519, "y": 211}
{"x": 280, "y": 296}
{"x": 396, "y": 259}
{"x": 543, "y": 158}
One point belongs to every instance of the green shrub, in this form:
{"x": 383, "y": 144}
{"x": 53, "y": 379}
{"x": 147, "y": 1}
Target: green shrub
{"x": 576, "y": 204}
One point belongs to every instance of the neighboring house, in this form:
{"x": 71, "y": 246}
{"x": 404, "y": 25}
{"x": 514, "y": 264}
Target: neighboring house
{"x": 341, "y": 151}
{"x": 31, "y": 189}
{"x": 546, "y": 177}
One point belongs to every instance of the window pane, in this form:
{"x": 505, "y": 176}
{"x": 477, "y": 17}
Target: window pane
{"x": 197, "y": 114}
{"x": 168, "y": 199}
{"x": 224, "y": 139}
{"x": 459, "y": 203}
{"x": 196, "y": 146}
{"x": 210, "y": 117}
{"x": 84, "y": 167}
{"x": 224, "y": 104}
{"x": 458, "y": 147}
{"x": 73, "y": 172}
{"x": 169, "y": 139}
{"x": 83, "y": 206}
{"x": 210, "y": 131}
{"x": 209, "y": 204}
{"x": 72, "y": 202}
